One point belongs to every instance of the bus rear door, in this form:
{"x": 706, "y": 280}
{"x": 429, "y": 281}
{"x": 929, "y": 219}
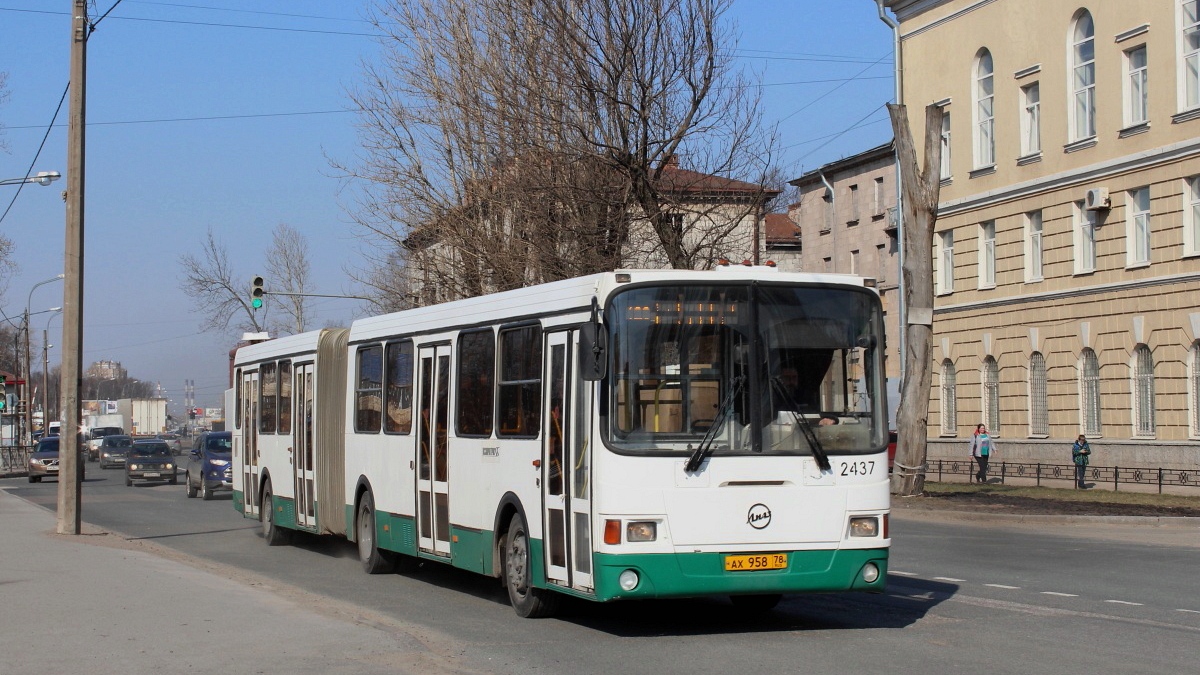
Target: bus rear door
{"x": 433, "y": 496}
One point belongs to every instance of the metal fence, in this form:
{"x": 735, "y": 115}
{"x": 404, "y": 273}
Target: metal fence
{"x": 14, "y": 459}
{"x": 1100, "y": 475}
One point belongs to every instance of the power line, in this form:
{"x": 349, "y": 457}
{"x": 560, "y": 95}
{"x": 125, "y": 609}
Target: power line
{"x": 842, "y": 132}
{"x": 38, "y": 153}
{"x": 202, "y": 118}
{"x": 246, "y": 11}
{"x": 851, "y": 79}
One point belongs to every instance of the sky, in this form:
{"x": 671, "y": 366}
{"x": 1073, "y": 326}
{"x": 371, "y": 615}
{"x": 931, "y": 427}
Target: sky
{"x": 226, "y": 114}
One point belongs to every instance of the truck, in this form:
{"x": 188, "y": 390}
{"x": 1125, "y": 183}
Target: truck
{"x": 145, "y": 415}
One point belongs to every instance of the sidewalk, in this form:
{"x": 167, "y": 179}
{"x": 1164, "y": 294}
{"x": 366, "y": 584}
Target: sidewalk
{"x": 97, "y": 603}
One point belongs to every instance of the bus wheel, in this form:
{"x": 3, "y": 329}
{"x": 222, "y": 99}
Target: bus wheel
{"x": 756, "y": 603}
{"x": 528, "y": 601}
{"x": 273, "y": 533}
{"x": 374, "y": 561}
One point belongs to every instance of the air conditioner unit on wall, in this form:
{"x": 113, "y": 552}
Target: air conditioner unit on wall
{"x": 1096, "y": 199}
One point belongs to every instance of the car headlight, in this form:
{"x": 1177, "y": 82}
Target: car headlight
{"x": 219, "y": 463}
{"x": 34, "y": 460}
{"x": 168, "y": 467}
{"x": 133, "y": 467}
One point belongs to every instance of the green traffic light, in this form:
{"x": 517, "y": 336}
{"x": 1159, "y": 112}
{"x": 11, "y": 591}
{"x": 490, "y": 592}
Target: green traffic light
{"x": 256, "y": 303}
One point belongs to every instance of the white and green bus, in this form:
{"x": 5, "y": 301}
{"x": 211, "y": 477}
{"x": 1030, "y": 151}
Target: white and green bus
{"x": 633, "y": 434}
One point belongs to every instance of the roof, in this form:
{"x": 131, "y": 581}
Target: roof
{"x": 680, "y": 181}
{"x": 873, "y": 155}
{"x": 780, "y": 228}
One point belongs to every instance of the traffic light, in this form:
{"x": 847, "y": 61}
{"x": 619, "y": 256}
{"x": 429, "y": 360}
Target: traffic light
{"x": 3, "y": 398}
{"x": 256, "y": 292}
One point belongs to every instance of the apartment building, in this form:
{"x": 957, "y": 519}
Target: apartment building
{"x": 1067, "y": 247}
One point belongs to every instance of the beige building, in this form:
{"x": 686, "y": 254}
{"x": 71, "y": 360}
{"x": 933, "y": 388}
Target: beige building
{"x": 1067, "y": 246}
{"x": 846, "y": 216}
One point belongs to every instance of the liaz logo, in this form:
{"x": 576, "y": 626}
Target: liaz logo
{"x": 759, "y": 516}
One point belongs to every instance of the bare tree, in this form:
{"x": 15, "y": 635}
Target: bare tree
{"x": 532, "y": 139}
{"x": 920, "y": 190}
{"x": 208, "y": 279}
{"x": 287, "y": 269}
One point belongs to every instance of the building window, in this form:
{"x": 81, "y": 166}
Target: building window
{"x": 1189, "y": 45}
{"x": 1031, "y": 120}
{"x": 1191, "y": 216}
{"x": 881, "y": 263}
{"x": 987, "y": 254}
{"x": 1039, "y": 415}
{"x": 854, "y": 262}
{"x": 829, "y": 213}
{"x": 985, "y": 119}
{"x": 828, "y": 263}
{"x": 945, "y": 257}
{"x": 1137, "y": 227}
{"x": 877, "y": 205}
{"x": 1143, "y": 391}
{"x": 991, "y": 395}
{"x": 1089, "y": 392}
{"x": 1085, "y": 239}
{"x": 1194, "y": 388}
{"x": 1083, "y": 79}
{"x": 853, "y": 206}
{"x": 1033, "y": 246}
{"x": 945, "y": 174}
{"x": 949, "y": 399}
{"x": 1136, "y": 103}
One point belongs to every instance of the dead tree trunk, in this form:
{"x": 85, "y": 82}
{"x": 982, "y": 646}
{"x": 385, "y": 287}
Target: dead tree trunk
{"x": 920, "y": 190}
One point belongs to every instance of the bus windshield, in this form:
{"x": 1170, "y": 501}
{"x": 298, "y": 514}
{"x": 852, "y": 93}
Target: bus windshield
{"x": 803, "y": 363}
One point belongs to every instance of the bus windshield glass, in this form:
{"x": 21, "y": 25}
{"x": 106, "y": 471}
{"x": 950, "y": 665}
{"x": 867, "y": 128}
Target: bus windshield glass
{"x": 803, "y": 362}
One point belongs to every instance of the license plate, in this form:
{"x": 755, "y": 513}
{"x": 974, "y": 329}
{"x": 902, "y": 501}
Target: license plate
{"x": 752, "y": 563}
{"x": 151, "y": 474}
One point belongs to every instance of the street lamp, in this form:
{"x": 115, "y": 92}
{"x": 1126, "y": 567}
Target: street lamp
{"x": 41, "y": 178}
{"x": 46, "y": 369}
{"x": 25, "y": 326}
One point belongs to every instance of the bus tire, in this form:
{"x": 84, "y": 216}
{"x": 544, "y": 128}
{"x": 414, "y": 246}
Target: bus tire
{"x": 529, "y": 602}
{"x": 272, "y": 532}
{"x": 756, "y": 603}
{"x": 374, "y": 561}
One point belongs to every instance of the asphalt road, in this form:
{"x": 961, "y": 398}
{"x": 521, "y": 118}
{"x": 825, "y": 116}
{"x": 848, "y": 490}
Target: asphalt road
{"x": 962, "y": 597}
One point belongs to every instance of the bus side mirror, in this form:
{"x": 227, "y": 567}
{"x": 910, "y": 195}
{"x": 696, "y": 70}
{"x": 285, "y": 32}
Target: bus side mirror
{"x": 593, "y": 352}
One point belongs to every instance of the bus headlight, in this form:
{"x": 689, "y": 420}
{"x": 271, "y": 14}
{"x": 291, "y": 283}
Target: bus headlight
{"x": 864, "y": 527}
{"x": 628, "y": 580}
{"x": 870, "y": 573}
{"x": 641, "y": 531}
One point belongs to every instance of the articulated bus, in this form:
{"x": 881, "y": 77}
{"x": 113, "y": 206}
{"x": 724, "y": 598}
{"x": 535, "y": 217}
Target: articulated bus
{"x": 628, "y": 435}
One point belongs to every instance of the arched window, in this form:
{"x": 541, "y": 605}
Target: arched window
{"x": 1039, "y": 417}
{"x": 991, "y": 395}
{"x": 985, "y": 120}
{"x": 1194, "y": 388}
{"x": 1089, "y": 392}
{"x": 1143, "y": 391}
{"x": 949, "y": 399}
{"x": 1083, "y": 77}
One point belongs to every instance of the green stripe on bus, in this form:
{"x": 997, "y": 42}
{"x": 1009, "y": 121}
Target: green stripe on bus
{"x": 239, "y": 502}
{"x": 693, "y": 574}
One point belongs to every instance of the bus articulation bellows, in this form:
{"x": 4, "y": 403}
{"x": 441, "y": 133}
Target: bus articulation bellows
{"x": 627, "y": 435}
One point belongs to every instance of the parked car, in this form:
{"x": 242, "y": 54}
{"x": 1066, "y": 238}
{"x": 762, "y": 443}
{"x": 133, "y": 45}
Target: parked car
{"x": 43, "y": 462}
{"x": 112, "y": 450}
{"x": 150, "y": 460}
{"x": 96, "y": 436}
{"x": 210, "y": 464}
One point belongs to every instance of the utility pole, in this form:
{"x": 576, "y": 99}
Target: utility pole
{"x": 46, "y": 383}
{"x": 28, "y": 386}
{"x": 70, "y": 480}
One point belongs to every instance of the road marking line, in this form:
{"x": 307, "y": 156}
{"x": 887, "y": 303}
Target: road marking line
{"x": 1189, "y": 611}
{"x": 1011, "y": 588}
{"x": 1061, "y": 595}
{"x": 902, "y": 574}
{"x": 948, "y": 579}
{"x": 1124, "y": 602}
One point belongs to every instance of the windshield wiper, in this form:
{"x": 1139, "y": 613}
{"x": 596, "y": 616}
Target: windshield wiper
{"x": 705, "y": 448}
{"x": 819, "y": 453}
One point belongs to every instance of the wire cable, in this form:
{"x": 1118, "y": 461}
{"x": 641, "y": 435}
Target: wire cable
{"x": 37, "y": 154}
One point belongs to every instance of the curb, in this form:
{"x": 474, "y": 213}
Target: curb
{"x": 1181, "y": 522}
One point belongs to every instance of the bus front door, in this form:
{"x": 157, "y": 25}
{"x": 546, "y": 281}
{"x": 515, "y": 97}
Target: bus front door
{"x": 566, "y": 467}
{"x": 433, "y": 495}
{"x": 249, "y": 466}
{"x": 302, "y": 439}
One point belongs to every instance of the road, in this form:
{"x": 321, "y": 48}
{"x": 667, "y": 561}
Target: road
{"x": 962, "y": 597}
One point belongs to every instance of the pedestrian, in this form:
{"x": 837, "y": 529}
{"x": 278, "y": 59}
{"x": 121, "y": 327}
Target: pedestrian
{"x": 1080, "y": 452}
{"x": 982, "y": 447}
